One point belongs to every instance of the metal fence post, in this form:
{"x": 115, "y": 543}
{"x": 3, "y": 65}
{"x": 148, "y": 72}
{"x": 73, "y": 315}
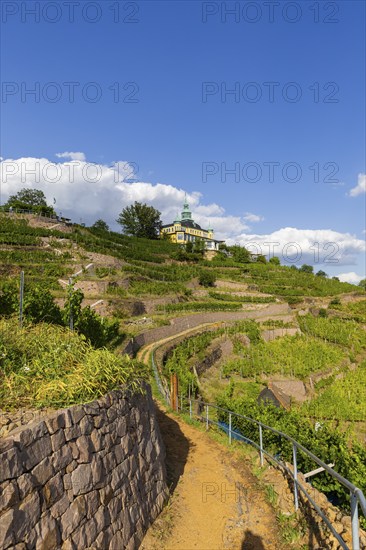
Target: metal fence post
{"x": 21, "y": 298}
{"x": 206, "y": 417}
{"x": 354, "y": 519}
{"x": 71, "y": 319}
{"x": 296, "y": 499}
{"x": 230, "y": 428}
{"x": 190, "y": 408}
{"x": 261, "y": 444}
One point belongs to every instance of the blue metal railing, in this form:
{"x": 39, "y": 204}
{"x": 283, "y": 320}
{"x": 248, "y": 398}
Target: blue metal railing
{"x": 164, "y": 392}
{"x": 357, "y": 498}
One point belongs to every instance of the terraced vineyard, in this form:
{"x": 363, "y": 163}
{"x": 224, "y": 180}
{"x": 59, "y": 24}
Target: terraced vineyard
{"x": 124, "y": 286}
{"x": 130, "y": 277}
{"x": 290, "y": 282}
{"x": 292, "y": 355}
{"x": 342, "y": 399}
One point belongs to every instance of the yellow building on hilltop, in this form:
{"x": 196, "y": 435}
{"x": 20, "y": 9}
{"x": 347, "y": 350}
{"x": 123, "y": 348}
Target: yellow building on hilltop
{"x": 185, "y": 229}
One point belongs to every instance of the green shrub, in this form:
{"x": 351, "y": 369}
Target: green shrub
{"x": 9, "y": 297}
{"x": 207, "y": 278}
{"x": 98, "y": 330}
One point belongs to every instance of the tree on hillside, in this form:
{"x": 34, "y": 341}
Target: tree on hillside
{"x": 240, "y": 254}
{"x": 275, "y": 260}
{"x": 321, "y": 273}
{"x": 140, "y": 220}
{"x": 362, "y": 284}
{"x": 30, "y": 199}
{"x": 305, "y": 268}
{"x": 199, "y": 246}
{"x": 101, "y": 225}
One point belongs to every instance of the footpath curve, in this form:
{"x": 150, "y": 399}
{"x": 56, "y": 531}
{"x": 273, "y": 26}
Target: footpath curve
{"x": 216, "y": 502}
{"x": 186, "y": 323}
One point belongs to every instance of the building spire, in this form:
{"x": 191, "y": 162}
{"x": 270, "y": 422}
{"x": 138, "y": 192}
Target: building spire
{"x": 186, "y": 213}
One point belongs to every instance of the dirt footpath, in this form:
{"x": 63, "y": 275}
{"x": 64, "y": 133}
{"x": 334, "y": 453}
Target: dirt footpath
{"x": 215, "y": 502}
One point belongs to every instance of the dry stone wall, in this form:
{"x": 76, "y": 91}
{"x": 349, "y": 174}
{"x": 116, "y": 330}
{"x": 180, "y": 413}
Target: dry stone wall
{"x": 187, "y": 322}
{"x": 90, "y": 476}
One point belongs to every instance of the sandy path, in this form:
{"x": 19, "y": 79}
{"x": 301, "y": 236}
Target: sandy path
{"x": 216, "y": 502}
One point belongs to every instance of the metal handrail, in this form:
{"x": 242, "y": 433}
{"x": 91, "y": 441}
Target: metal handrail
{"x": 297, "y": 484}
{"x": 330, "y": 470}
{"x": 356, "y": 495}
{"x": 163, "y": 391}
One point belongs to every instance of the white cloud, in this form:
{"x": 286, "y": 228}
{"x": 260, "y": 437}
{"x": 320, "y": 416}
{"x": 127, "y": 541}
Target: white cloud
{"x": 90, "y": 191}
{"x": 209, "y": 210}
{"x": 313, "y": 246}
{"x": 360, "y": 187}
{"x": 350, "y": 277}
{"x": 71, "y": 156}
{"x": 253, "y": 218}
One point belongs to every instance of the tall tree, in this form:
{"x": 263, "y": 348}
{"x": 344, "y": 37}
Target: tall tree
{"x": 240, "y": 254}
{"x": 362, "y": 283}
{"x": 140, "y": 220}
{"x": 305, "y": 268}
{"x": 30, "y": 199}
{"x": 101, "y": 225}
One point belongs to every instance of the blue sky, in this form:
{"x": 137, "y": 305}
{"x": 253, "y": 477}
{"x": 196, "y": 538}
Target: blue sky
{"x": 161, "y": 70}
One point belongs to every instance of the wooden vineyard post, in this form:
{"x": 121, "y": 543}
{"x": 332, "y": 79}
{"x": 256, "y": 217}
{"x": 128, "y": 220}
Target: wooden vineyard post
{"x": 174, "y": 391}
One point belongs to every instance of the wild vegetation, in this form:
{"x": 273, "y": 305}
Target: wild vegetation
{"x": 46, "y": 365}
{"x": 39, "y": 307}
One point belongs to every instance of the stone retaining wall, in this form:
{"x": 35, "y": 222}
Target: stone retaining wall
{"x": 180, "y": 324}
{"x": 90, "y": 476}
